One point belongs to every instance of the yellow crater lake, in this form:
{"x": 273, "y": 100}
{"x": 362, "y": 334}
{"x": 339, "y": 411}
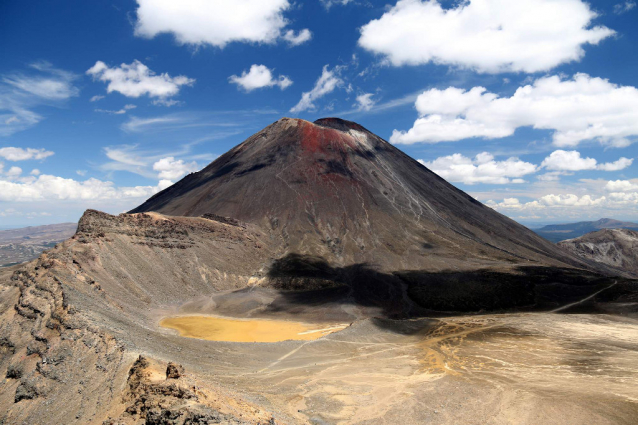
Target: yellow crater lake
{"x": 247, "y": 330}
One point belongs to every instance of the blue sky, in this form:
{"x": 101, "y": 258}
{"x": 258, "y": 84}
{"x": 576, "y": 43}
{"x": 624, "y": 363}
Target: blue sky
{"x": 529, "y": 106}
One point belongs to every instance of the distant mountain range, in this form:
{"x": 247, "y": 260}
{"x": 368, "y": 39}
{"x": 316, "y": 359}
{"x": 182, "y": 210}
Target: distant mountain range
{"x": 27, "y": 243}
{"x": 561, "y": 232}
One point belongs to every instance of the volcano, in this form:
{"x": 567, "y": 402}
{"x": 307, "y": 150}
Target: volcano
{"x": 335, "y": 190}
{"x": 340, "y": 207}
{"x": 329, "y": 233}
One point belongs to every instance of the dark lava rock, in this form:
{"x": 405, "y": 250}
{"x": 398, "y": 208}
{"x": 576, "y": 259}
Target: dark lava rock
{"x": 174, "y": 371}
{"x": 25, "y": 391}
{"x": 14, "y": 371}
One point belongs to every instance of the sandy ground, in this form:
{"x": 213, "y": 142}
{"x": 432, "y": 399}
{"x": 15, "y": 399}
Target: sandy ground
{"x": 516, "y": 368}
{"x": 496, "y": 369}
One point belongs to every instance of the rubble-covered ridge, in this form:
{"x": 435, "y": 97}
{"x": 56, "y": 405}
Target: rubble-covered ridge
{"x": 153, "y": 229}
{"x": 616, "y": 248}
{"x": 71, "y": 321}
{"x": 49, "y": 352}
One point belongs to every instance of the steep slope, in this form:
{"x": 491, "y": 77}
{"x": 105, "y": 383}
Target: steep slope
{"x": 335, "y": 190}
{"x": 561, "y": 232}
{"x": 617, "y": 248}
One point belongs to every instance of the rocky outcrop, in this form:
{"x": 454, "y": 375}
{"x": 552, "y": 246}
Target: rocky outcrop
{"x": 616, "y": 248}
{"x": 174, "y": 371}
{"x": 71, "y": 321}
{"x": 52, "y": 355}
{"x": 176, "y": 400}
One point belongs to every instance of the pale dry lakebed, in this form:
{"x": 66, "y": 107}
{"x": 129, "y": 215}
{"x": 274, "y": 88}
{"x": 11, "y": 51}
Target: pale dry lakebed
{"x": 247, "y": 330}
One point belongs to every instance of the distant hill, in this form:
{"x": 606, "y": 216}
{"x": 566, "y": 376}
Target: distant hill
{"x": 27, "y": 243}
{"x": 561, "y": 232}
{"x": 614, "y": 247}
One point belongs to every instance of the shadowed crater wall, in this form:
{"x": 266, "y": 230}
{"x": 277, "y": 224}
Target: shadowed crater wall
{"x": 414, "y": 293}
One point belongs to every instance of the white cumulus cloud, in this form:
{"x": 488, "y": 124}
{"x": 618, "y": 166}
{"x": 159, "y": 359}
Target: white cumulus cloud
{"x": 577, "y": 109}
{"x": 621, "y": 185}
{"x": 621, "y": 164}
{"x": 327, "y": 83}
{"x": 620, "y": 198}
{"x": 570, "y": 200}
{"x": 20, "y": 154}
{"x": 623, "y": 198}
{"x": 568, "y": 161}
{"x": 13, "y": 172}
{"x": 48, "y": 187}
{"x": 482, "y": 169}
{"x": 258, "y": 77}
{"x": 489, "y": 36}
{"x": 295, "y": 39}
{"x": 549, "y": 201}
{"x": 136, "y": 79}
{"x": 171, "y": 169}
{"x": 365, "y": 102}
{"x": 217, "y": 22}
{"x": 561, "y": 160}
